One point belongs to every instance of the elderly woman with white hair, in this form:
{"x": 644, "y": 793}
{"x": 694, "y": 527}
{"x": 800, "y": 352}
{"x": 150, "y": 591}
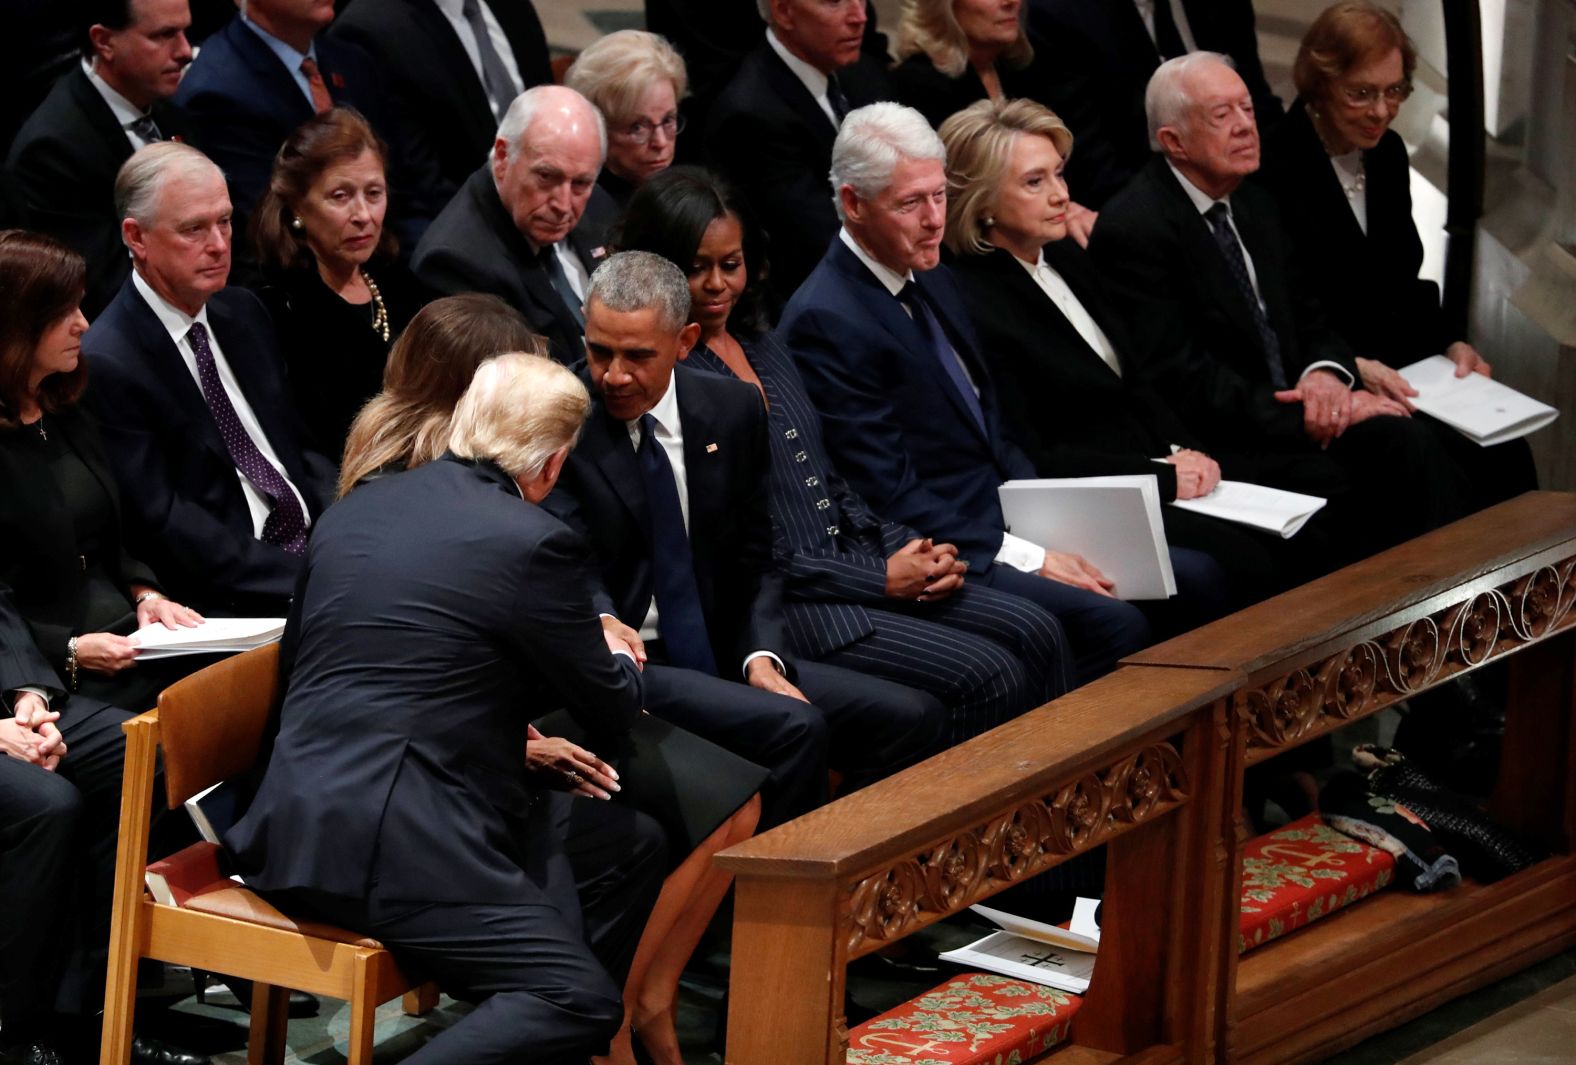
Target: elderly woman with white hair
{"x": 636, "y": 80}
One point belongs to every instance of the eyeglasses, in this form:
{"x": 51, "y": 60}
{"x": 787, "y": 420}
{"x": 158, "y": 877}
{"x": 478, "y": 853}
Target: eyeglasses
{"x": 1394, "y": 95}
{"x": 642, "y": 130}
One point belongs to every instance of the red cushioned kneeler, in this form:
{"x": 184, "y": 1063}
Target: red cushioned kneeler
{"x": 1302, "y": 872}
{"x": 972, "y": 1019}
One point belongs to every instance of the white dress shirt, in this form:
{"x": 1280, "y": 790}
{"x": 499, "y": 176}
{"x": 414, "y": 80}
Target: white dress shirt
{"x": 574, "y": 269}
{"x": 813, "y": 79}
{"x": 1203, "y": 201}
{"x": 1014, "y": 551}
{"x": 1056, "y": 287}
{"x": 178, "y": 324}
{"x": 670, "y": 435}
{"x": 453, "y": 10}
{"x": 125, "y": 112}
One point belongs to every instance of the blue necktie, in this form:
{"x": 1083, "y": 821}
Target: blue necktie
{"x": 942, "y": 350}
{"x": 680, "y": 619}
{"x": 1219, "y": 218}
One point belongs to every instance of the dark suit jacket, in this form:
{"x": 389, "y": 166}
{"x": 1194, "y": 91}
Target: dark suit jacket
{"x": 1368, "y": 283}
{"x": 1097, "y": 59}
{"x": 894, "y": 422}
{"x": 40, "y": 556}
{"x": 185, "y": 511}
{"x": 601, "y": 494}
{"x": 767, "y": 134}
{"x": 1074, "y": 416}
{"x": 432, "y": 595}
{"x": 433, "y": 80}
{"x": 474, "y": 246}
{"x": 1193, "y": 330}
{"x": 918, "y": 84}
{"x": 243, "y": 103}
{"x": 63, "y": 165}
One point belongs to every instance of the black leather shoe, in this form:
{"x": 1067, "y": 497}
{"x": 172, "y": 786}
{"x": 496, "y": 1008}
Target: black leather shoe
{"x": 302, "y": 1004}
{"x": 145, "y": 1050}
{"x": 31, "y": 1054}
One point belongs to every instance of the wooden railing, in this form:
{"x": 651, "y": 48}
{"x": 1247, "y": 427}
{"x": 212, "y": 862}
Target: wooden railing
{"x": 1149, "y": 762}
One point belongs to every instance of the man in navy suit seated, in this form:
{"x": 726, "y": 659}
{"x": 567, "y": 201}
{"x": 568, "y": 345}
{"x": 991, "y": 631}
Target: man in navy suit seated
{"x": 188, "y": 385}
{"x": 911, "y": 416}
{"x": 670, "y": 484}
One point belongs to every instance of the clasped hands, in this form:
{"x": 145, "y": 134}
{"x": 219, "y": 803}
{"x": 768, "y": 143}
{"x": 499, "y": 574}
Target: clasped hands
{"x": 924, "y": 570}
{"x": 31, "y": 734}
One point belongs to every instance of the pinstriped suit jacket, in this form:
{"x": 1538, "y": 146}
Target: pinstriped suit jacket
{"x": 829, "y": 546}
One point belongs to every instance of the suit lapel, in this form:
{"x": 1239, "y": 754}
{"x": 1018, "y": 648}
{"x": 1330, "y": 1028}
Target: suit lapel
{"x": 94, "y": 108}
{"x": 279, "y": 85}
{"x": 1199, "y": 243}
{"x": 246, "y": 363}
{"x": 168, "y": 367}
{"x": 606, "y": 445}
{"x": 792, "y": 92}
{"x": 452, "y": 57}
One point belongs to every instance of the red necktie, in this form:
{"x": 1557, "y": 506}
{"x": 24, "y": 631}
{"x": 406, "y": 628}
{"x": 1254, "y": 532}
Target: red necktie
{"x": 321, "y": 101}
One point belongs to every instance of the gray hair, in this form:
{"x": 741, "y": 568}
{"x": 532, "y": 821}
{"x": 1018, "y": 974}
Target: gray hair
{"x": 1166, "y": 102}
{"x": 142, "y": 177}
{"x": 871, "y": 143}
{"x": 518, "y": 411}
{"x": 764, "y": 8}
{"x": 523, "y": 111}
{"x": 614, "y": 71}
{"x": 635, "y": 280}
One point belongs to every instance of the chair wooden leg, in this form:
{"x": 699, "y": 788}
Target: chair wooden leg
{"x": 131, "y": 856}
{"x": 363, "y": 1015}
{"x": 270, "y": 1021}
{"x": 420, "y": 1001}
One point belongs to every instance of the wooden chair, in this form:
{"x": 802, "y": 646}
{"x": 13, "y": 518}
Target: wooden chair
{"x": 210, "y": 727}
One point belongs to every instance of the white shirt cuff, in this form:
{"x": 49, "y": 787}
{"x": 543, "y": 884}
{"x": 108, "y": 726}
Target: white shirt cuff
{"x": 1325, "y": 364}
{"x": 753, "y": 655}
{"x": 1020, "y": 554}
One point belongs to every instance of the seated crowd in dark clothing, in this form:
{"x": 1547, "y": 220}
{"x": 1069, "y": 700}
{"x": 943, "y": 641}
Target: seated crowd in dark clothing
{"x": 624, "y": 454}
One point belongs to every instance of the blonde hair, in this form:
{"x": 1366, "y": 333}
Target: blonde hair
{"x": 979, "y": 142}
{"x": 519, "y": 410}
{"x": 429, "y": 368}
{"x": 931, "y": 27}
{"x": 615, "y": 70}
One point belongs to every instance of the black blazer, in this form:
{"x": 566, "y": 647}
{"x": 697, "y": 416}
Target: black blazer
{"x": 894, "y": 423}
{"x": 1368, "y": 283}
{"x": 185, "y": 511}
{"x": 1193, "y": 331}
{"x": 1073, "y": 415}
{"x": 432, "y": 77}
{"x": 726, "y": 465}
{"x": 771, "y": 139}
{"x": 63, "y": 165}
{"x": 918, "y": 84}
{"x": 432, "y": 595}
{"x": 333, "y": 358}
{"x": 1097, "y": 59}
{"x": 40, "y": 557}
{"x": 244, "y": 103}
{"x": 474, "y": 246}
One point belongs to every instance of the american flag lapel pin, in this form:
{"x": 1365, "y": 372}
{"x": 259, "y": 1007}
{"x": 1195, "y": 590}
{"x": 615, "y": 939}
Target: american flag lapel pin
{"x": 599, "y": 252}
{"x": 711, "y": 448}
{"x": 337, "y": 79}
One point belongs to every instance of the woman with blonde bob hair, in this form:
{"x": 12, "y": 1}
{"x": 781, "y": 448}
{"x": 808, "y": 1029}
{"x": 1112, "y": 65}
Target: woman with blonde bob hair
{"x": 636, "y": 80}
{"x": 954, "y": 52}
{"x": 1070, "y": 395}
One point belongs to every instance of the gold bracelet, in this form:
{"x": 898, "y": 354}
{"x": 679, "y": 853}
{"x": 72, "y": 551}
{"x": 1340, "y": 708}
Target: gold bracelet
{"x": 71, "y": 663}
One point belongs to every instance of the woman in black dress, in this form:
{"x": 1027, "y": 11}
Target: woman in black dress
{"x": 703, "y": 796}
{"x": 70, "y": 597}
{"x": 331, "y": 279}
{"x": 1342, "y": 178}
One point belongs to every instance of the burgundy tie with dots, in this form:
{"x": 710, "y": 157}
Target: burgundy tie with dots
{"x": 286, "y": 524}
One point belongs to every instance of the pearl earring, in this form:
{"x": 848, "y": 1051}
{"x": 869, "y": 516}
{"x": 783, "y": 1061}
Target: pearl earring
{"x": 296, "y": 223}
{"x": 990, "y": 222}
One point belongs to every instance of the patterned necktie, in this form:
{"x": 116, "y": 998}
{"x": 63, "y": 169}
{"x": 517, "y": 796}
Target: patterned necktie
{"x": 286, "y": 524}
{"x": 559, "y": 279}
{"x": 321, "y": 101}
{"x": 495, "y": 76}
{"x": 679, "y": 616}
{"x": 1219, "y": 217}
{"x": 941, "y": 349}
{"x": 147, "y": 129}
{"x": 837, "y": 98}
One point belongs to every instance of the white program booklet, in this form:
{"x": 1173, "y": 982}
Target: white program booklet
{"x": 1113, "y": 522}
{"x": 1035, "y": 951}
{"x": 213, "y": 636}
{"x": 1479, "y": 408}
{"x": 1280, "y": 512}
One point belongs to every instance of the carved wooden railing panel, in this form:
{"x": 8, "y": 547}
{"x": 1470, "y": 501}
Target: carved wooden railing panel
{"x": 952, "y": 875}
{"x": 1374, "y": 672}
